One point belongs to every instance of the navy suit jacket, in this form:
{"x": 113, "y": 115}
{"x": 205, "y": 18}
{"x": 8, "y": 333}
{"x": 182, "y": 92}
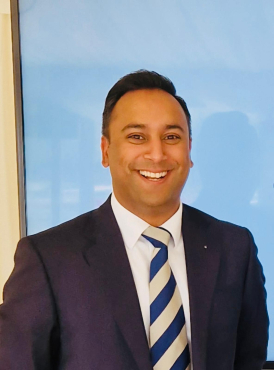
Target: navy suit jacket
{"x": 71, "y": 303}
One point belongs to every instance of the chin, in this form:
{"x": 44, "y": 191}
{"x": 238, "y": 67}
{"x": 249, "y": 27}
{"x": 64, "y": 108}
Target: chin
{"x": 154, "y": 203}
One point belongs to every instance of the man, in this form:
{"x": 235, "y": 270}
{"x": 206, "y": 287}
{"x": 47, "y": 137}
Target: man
{"x": 142, "y": 282}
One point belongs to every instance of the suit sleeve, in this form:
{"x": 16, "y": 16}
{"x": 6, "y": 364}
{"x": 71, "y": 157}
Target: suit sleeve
{"x": 28, "y": 324}
{"x": 252, "y": 334}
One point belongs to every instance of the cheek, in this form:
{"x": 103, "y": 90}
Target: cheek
{"x": 181, "y": 157}
{"x": 118, "y": 161}
{"x": 128, "y": 158}
{"x": 184, "y": 165}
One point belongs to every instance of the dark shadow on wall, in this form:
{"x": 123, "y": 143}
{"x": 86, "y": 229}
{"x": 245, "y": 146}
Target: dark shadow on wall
{"x": 228, "y": 160}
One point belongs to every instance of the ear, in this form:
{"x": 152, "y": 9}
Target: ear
{"x": 104, "y": 149}
{"x": 190, "y": 146}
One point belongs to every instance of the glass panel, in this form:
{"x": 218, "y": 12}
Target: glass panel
{"x": 220, "y": 56}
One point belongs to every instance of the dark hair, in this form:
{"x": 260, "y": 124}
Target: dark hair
{"x": 139, "y": 80}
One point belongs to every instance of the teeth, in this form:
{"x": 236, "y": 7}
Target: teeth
{"x": 153, "y": 175}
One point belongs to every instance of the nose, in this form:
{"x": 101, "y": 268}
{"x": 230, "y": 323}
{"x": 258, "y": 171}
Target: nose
{"x": 155, "y": 151}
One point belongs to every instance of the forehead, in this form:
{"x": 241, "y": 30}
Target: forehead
{"x": 147, "y": 106}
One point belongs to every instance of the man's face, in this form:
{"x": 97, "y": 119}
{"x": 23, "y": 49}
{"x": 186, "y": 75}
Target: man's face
{"x": 148, "y": 151}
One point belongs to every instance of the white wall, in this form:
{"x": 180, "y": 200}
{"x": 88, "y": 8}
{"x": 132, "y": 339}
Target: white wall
{"x": 9, "y": 213}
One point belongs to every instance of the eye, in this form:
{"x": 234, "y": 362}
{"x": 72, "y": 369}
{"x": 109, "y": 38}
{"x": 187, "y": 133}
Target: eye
{"x": 136, "y": 138}
{"x": 172, "y": 138}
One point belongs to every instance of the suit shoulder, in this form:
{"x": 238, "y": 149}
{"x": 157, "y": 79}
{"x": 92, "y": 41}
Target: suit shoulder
{"x": 234, "y": 239}
{"x": 205, "y": 218}
{"x": 74, "y": 229}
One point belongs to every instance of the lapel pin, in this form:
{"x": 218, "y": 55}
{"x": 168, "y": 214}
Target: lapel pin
{"x": 205, "y": 246}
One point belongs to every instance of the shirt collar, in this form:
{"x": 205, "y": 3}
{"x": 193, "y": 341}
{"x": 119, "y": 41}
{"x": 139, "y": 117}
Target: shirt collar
{"x": 131, "y": 226}
{"x": 174, "y": 225}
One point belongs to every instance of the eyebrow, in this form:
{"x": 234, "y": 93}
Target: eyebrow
{"x": 143, "y": 126}
{"x": 133, "y": 125}
{"x": 171, "y": 127}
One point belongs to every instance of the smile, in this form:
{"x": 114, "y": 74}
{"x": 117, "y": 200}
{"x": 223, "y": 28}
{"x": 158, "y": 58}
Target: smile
{"x": 153, "y": 175}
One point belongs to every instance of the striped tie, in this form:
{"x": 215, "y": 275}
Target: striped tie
{"x": 168, "y": 340}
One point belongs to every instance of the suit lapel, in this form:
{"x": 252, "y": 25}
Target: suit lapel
{"x": 202, "y": 262}
{"x": 108, "y": 258}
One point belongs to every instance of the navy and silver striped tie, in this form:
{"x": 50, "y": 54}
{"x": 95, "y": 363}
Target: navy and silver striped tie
{"x": 168, "y": 339}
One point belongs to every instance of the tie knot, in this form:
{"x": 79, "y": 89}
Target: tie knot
{"x": 158, "y": 236}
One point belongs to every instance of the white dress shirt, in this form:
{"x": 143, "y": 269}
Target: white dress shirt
{"x": 139, "y": 251}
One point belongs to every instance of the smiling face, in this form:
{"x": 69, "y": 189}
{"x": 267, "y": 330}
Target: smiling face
{"x": 148, "y": 153}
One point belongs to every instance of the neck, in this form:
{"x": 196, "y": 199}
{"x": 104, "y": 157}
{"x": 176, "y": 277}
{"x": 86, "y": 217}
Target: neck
{"x": 153, "y": 215}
